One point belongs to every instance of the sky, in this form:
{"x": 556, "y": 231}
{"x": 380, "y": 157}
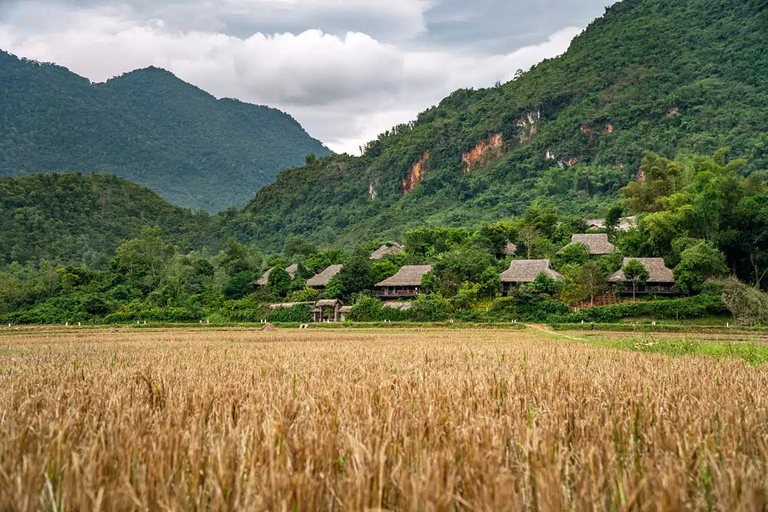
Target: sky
{"x": 347, "y": 70}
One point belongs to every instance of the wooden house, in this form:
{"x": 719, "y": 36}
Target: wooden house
{"x": 387, "y": 249}
{"x": 661, "y": 280}
{"x": 526, "y": 271}
{"x": 321, "y": 280}
{"x": 403, "y": 285}
{"x": 597, "y": 243}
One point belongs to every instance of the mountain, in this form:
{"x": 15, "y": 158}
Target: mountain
{"x": 72, "y": 217}
{"x": 679, "y": 77}
{"x": 148, "y": 126}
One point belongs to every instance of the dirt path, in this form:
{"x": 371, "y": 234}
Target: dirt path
{"x": 548, "y": 330}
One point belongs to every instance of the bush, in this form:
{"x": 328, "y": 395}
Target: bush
{"x": 673, "y": 309}
{"x": 430, "y": 308}
{"x": 526, "y": 306}
{"x": 748, "y": 305}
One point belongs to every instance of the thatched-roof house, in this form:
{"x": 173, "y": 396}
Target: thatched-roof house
{"x": 321, "y": 280}
{"x": 597, "y": 243}
{"x": 387, "y": 249}
{"x": 327, "y": 310}
{"x": 510, "y": 249}
{"x": 661, "y": 280}
{"x": 526, "y": 271}
{"x": 264, "y": 279}
{"x": 406, "y": 283}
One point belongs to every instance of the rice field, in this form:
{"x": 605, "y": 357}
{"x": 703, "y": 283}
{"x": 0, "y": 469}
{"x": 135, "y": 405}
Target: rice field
{"x": 352, "y": 420}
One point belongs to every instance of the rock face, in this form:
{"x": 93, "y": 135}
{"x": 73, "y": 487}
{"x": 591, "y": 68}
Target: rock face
{"x": 528, "y": 125}
{"x": 483, "y": 153}
{"x": 416, "y": 173}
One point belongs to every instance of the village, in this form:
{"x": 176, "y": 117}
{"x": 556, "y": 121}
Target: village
{"x": 398, "y": 292}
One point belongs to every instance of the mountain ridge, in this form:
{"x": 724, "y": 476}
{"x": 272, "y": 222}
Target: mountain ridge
{"x": 148, "y": 126}
{"x": 683, "y": 77}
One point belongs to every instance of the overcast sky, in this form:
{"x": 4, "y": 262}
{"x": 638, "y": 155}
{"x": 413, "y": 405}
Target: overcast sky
{"x": 346, "y": 69}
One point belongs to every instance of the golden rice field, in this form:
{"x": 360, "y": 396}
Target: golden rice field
{"x": 352, "y": 420}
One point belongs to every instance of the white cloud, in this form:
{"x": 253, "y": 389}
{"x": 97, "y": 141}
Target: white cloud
{"x": 344, "y": 88}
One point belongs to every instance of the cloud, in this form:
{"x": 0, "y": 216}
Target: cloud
{"x": 344, "y": 87}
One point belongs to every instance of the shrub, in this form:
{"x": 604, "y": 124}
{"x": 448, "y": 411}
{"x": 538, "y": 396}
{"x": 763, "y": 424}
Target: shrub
{"x": 430, "y": 308}
{"x": 296, "y": 314}
{"x": 748, "y": 305}
{"x": 673, "y": 309}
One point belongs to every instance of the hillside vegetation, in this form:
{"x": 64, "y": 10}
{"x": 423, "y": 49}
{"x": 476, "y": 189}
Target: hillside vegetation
{"x": 670, "y": 77}
{"x": 71, "y": 217}
{"x": 148, "y": 126}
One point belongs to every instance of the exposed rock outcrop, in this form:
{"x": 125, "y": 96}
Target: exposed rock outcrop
{"x": 416, "y": 173}
{"x": 483, "y": 153}
{"x": 528, "y": 125}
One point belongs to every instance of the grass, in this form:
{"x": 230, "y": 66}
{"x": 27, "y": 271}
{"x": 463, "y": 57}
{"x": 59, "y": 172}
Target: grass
{"x": 380, "y": 419}
{"x": 747, "y": 346}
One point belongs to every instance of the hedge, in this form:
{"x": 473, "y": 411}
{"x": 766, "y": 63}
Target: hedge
{"x": 673, "y": 309}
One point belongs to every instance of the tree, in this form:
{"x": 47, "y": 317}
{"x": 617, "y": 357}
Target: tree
{"x": 613, "y": 219}
{"x": 697, "y": 264}
{"x": 236, "y": 258}
{"x": 490, "y": 283}
{"x": 142, "y": 261}
{"x": 454, "y": 268}
{"x": 296, "y": 245}
{"x": 240, "y": 285}
{"x": 357, "y": 274}
{"x": 334, "y": 289}
{"x": 279, "y": 282}
{"x": 574, "y": 254}
{"x": 636, "y": 273}
{"x": 529, "y": 236}
{"x": 492, "y": 238}
{"x": 544, "y": 284}
{"x": 592, "y": 277}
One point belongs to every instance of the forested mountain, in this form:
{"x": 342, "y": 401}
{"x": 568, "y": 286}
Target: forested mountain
{"x": 71, "y": 217}
{"x": 148, "y": 126}
{"x": 673, "y": 77}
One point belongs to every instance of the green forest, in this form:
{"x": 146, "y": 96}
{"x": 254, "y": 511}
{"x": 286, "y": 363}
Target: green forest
{"x": 701, "y": 215}
{"x": 148, "y": 126}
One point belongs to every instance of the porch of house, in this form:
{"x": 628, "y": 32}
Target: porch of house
{"x": 397, "y": 292}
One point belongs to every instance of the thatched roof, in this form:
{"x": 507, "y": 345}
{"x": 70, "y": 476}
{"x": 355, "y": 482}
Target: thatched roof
{"x": 598, "y": 243}
{"x": 526, "y": 271}
{"x": 400, "y": 306}
{"x": 264, "y": 279}
{"x": 510, "y": 249}
{"x": 386, "y": 250}
{"x": 657, "y": 271}
{"x": 327, "y": 303}
{"x": 407, "y": 276}
{"x": 288, "y": 305}
{"x": 345, "y": 309}
{"x": 321, "y": 280}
